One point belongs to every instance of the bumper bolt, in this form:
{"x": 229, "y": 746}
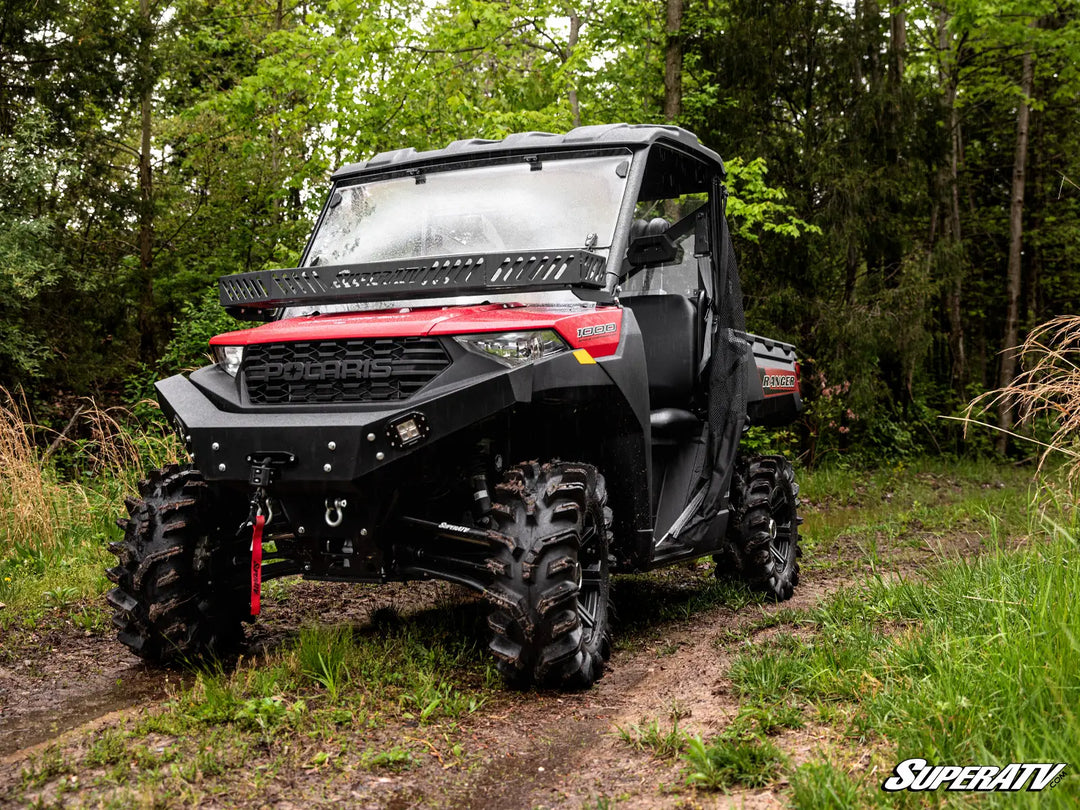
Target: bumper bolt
{"x": 300, "y": 530}
{"x": 380, "y": 456}
{"x": 221, "y": 468}
{"x": 326, "y": 468}
{"x": 331, "y": 446}
{"x": 363, "y": 532}
{"x": 215, "y": 446}
{"x": 371, "y": 437}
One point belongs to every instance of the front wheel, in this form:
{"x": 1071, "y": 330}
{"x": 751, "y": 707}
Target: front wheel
{"x": 763, "y": 535}
{"x": 551, "y": 594}
{"x": 180, "y": 592}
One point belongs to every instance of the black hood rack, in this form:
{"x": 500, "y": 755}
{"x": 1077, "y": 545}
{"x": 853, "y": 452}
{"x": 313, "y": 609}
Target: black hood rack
{"x": 413, "y": 278}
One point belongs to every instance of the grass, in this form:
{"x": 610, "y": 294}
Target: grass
{"x": 650, "y": 738}
{"x": 732, "y": 760}
{"x": 854, "y": 519}
{"x": 741, "y": 756}
{"x": 823, "y": 786}
{"x": 938, "y": 653}
{"x": 908, "y": 502}
{"x": 54, "y": 529}
{"x": 426, "y": 669}
{"x": 972, "y": 663}
{"x": 1045, "y": 395}
{"x": 321, "y": 653}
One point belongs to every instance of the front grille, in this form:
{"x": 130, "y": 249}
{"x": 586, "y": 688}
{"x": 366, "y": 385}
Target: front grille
{"x": 367, "y": 370}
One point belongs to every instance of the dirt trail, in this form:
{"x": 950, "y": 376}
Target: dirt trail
{"x": 564, "y": 750}
{"x": 527, "y": 750}
{"x": 59, "y": 679}
{"x": 26, "y": 722}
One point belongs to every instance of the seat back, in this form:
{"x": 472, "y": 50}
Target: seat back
{"x": 670, "y": 331}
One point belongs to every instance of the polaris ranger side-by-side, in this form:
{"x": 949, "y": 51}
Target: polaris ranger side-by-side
{"x": 516, "y": 365}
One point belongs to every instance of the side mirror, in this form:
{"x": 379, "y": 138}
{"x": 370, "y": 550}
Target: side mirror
{"x": 251, "y": 313}
{"x": 651, "y": 249}
{"x": 701, "y": 234}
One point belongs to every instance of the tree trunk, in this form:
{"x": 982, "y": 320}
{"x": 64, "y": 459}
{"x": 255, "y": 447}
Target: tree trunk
{"x": 147, "y": 327}
{"x": 851, "y": 271}
{"x": 572, "y": 41}
{"x": 897, "y": 44}
{"x": 856, "y": 36}
{"x": 1032, "y": 303}
{"x": 673, "y": 61}
{"x": 949, "y": 60}
{"x": 1014, "y": 272}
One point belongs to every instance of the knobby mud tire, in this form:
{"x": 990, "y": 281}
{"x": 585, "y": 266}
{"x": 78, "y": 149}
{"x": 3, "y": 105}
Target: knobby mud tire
{"x": 551, "y": 591}
{"x": 180, "y": 595}
{"x": 763, "y": 535}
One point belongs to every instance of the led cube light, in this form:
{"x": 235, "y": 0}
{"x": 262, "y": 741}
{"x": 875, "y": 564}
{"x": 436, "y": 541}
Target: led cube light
{"x": 407, "y": 430}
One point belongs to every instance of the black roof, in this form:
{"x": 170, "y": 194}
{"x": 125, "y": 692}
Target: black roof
{"x": 634, "y": 136}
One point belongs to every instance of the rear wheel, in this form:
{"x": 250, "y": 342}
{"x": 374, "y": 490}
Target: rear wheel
{"x": 551, "y": 594}
{"x": 180, "y": 593}
{"x": 763, "y": 535}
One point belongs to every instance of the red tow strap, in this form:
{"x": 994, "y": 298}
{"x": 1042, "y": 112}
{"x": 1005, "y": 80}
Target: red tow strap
{"x": 256, "y": 565}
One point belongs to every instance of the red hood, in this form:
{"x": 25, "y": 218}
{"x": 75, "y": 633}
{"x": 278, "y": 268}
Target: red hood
{"x": 593, "y": 328}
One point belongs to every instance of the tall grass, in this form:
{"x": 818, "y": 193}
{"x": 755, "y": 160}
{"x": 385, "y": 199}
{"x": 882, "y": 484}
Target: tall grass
{"x": 1047, "y": 391}
{"x": 54, "y": 527}
{"x": 974, "y": 664}
{"x": 36, "y": 510}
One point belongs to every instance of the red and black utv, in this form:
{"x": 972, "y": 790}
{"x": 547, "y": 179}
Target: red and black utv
{"x": 516, "y": 365}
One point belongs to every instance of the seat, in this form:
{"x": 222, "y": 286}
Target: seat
{"x": 673, "y": 425}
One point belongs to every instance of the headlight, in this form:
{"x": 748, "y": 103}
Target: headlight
{"x": 229, "y": 358}
{"x": 514, "y": 348}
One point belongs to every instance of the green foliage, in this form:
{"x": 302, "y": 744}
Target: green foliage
{"x": 731, "y": 760}
{"x": 30, "y": 263}
{"x": 755, "y": 206}
{"x": 53, "y": 532}
{"x": 267, "y": 714}
{"x": 199, "y": 320}
{"x": 430, "y": 696}
{"x": 61, "y": 598}
{"x": 188, "y": 349}
{"x": 768, "y": 718}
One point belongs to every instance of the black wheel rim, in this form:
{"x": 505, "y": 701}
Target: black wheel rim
{"x": 591, "y": 566}
{"x": 781, "y": 524}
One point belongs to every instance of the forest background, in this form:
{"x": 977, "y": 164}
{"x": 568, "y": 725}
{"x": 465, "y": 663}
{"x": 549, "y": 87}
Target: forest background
{"x": 906, "y": 175}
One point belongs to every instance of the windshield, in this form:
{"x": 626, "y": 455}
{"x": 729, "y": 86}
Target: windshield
{"x": 566, "y": 203}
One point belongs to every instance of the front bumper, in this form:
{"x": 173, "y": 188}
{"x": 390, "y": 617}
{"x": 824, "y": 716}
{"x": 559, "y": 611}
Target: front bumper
{"x": 329, "y": 445}
{"x": 341, "y": 443}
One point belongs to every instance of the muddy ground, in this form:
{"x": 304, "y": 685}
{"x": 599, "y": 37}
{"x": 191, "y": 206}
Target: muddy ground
{"x": 525, "y": 750}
